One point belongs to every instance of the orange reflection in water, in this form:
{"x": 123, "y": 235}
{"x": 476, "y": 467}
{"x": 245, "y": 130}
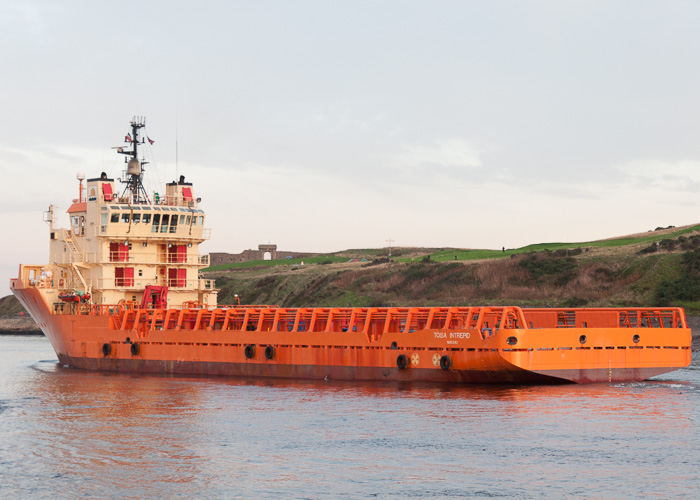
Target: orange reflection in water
{"x": 141, "y": 435}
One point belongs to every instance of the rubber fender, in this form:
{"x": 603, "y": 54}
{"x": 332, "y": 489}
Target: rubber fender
{"x": 250, "y": 351}
{"x": 403, "y": 362}
{"x": 106, "y": 349}
{"x": 270, "y": 352}
{"x": 445, "y": 362}
{"x": 135, "y": 349}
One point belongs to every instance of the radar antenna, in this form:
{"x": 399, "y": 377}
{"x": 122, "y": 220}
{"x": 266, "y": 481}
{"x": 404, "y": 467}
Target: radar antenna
{"x": 134, "y": 169}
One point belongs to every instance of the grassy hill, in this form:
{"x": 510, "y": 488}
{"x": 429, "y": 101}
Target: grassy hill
{"x": 638, "y": 270}
{"x": 660, "y": 267}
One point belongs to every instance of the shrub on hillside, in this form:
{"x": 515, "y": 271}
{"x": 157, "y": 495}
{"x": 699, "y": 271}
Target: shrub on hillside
{"x": 558, "y": 271}
{"x": 568, "y": 252}
{"x": 690, "y": 243}
{"x": 376, "y": 262}
{"x": 667, "y": 244}
{"x": 575, "y": 302}
{"x": 691, "y": 261}
{"x": 684, "y": 288}
{"x": 650, "y": 249}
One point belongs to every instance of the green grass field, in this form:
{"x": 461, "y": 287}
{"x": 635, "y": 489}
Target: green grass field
{"x": 460, "y": 254}
{"x": 319, "y": 259}
{"x": 446, "y": 255}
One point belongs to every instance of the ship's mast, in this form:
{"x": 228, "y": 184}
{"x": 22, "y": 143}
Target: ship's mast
{"x": 134, "y": 169}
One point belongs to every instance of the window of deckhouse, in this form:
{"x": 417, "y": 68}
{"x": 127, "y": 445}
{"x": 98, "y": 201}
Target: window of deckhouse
{"x": 156, "y": 223}
{"x": 114, "y": 217}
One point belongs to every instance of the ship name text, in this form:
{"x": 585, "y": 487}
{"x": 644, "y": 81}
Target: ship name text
{"x": 451, "y": 335}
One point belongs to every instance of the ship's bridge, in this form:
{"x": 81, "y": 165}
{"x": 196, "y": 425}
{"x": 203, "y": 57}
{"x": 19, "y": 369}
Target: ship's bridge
{"x": 162, "y": 221}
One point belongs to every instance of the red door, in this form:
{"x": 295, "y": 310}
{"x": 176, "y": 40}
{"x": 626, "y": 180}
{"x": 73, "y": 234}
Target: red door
{"x": 118, "y": 252}
{"x": 182, "y": 277}
{"x": 172, "y": 278}
{"x": 182, "y": 254}
{"x": 128, "y": 276}
{"x": 118, "y": 276}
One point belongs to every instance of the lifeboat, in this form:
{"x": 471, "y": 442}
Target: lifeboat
{"x": 78, "y": 296}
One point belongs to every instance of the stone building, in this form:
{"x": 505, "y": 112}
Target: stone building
{"x": 218, "y": 258}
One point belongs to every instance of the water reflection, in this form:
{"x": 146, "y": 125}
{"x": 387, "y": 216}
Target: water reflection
{"x": 94, "y": 434}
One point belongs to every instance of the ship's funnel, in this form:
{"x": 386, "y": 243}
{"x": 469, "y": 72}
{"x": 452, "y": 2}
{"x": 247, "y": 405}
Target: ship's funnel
{"x": 133, "y": 167}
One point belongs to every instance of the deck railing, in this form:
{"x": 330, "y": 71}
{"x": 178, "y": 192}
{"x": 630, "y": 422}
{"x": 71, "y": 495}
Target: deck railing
{"x": 374, "y": 321}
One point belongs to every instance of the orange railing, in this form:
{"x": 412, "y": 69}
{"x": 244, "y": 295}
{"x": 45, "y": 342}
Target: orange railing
{"x": 375, "y": 321}
{"x": 372, "y": 321}
{"x": 648, "y": 317}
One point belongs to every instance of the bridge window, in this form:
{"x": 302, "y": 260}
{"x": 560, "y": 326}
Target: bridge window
{"x": 156, "y": 222}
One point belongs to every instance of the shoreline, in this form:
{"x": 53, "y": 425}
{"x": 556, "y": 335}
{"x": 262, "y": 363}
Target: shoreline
{"x": 22, "y": 333}
{"x": 19, "y": 325}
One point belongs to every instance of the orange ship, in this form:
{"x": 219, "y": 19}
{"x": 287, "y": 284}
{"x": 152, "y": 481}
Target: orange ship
{"x": 122, "y": 292}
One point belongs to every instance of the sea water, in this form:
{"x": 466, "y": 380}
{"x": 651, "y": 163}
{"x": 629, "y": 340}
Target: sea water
{"x": 66, "y": 433}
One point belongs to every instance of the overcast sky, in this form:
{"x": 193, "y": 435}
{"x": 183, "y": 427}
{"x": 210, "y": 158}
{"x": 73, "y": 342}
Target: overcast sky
{"x": 327, "y": 125}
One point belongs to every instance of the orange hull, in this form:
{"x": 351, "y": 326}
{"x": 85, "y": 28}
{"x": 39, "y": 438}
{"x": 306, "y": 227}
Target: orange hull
{"x": 453, "y": 345}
